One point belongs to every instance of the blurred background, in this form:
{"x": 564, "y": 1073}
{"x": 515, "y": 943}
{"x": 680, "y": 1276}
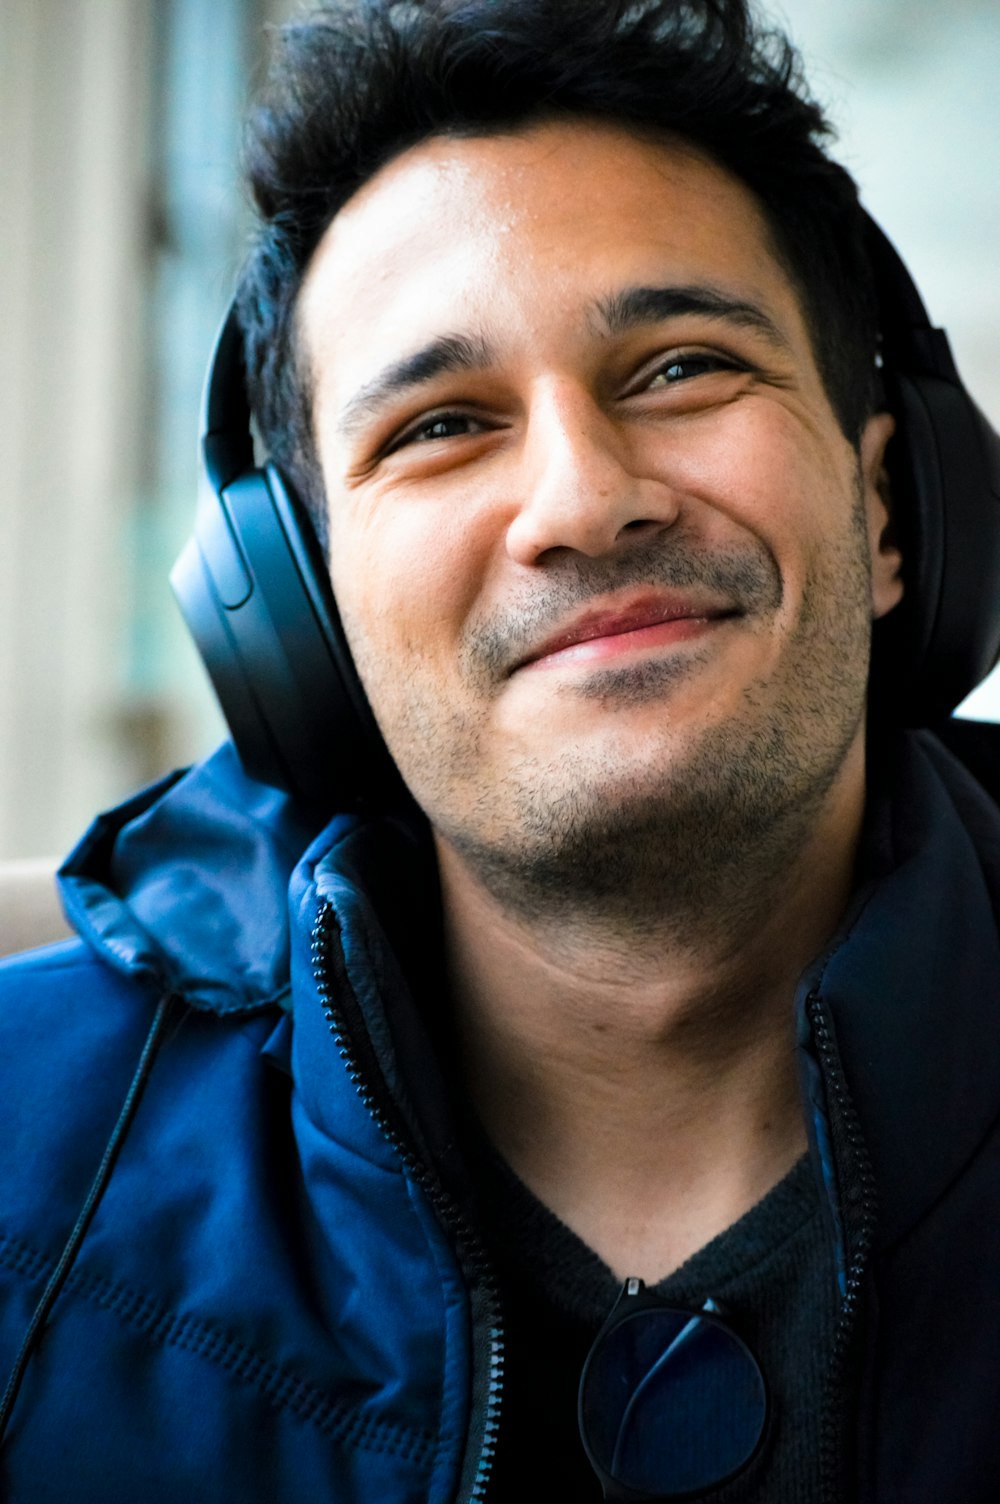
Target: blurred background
{"x": 122, "y": 225}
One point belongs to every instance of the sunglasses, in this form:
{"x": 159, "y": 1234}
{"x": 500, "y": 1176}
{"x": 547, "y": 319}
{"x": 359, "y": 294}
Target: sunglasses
{"x": 672, "y": 1402}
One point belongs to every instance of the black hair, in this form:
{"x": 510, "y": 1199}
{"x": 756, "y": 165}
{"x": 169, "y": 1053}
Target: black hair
{"x": 353, "y": 85}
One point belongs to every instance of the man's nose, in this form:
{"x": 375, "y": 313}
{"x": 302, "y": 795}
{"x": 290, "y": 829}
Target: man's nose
{"x": 587, "y": 484}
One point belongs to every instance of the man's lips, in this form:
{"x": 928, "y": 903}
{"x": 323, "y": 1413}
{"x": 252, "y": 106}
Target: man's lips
{"x": 598, "y": 634}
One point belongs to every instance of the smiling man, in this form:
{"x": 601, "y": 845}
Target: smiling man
{"x": 654, "y": 1153}
{"x": 607, "y": 565}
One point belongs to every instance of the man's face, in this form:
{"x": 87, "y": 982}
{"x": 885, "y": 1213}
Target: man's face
{"x": 599, "y": 545}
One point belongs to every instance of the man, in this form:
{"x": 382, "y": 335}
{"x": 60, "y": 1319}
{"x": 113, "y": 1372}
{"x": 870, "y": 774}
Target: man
{"x": 661, "y": 1012}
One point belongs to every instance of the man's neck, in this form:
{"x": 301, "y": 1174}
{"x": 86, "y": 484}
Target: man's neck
{"x": 643, "y": 1084}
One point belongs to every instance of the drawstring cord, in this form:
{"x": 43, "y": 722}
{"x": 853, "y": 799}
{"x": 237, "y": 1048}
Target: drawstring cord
{"x": 66, "y": 1259}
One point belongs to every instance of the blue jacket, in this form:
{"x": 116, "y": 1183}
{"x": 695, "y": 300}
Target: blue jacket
{"x": 223, "y": 1109}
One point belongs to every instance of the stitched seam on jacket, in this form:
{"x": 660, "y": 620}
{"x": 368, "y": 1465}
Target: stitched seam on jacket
{"x": 279, "y": 1387}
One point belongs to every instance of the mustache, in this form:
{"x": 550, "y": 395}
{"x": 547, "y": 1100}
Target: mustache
{"x": 745, "y": 581}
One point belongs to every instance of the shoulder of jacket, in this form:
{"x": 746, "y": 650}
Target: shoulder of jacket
{"x": 976, "y": 744}
{"x": 72, "y": 1033}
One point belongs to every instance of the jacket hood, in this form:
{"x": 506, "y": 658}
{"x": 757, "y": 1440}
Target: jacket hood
{"x": 187, "y": 882}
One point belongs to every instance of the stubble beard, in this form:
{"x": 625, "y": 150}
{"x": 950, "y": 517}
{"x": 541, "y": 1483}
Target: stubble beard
{"x": 694, "y": 854}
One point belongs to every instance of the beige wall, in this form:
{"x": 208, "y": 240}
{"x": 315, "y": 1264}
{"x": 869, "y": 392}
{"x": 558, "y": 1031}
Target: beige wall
{"x": 72, "y": 200}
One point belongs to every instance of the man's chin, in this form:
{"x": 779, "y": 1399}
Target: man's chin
{"x": 622, "y": 827}
{"x": 590, "y": 828}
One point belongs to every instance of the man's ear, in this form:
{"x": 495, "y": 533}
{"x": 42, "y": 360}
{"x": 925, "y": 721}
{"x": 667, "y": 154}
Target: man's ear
{"x": 886, "y": 559}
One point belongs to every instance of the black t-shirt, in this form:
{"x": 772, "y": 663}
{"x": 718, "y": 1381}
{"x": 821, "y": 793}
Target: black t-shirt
{"x": 772, "y": 1271}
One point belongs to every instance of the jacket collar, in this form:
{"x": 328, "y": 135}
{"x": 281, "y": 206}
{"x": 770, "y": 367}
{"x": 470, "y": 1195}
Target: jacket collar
{"x": 911, "y": 985}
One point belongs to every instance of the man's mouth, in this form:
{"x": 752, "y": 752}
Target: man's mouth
{"x": 604, "y": 633}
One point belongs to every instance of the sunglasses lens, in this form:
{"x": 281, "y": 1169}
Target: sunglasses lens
{"x": 671, "y": 1403}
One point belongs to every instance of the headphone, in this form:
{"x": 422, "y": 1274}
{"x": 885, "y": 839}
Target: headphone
{"x": 255, "y": 592}
{"x": 253, "y": 587}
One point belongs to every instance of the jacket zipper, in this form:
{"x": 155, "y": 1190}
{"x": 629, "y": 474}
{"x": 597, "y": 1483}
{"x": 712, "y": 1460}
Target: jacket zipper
{"x": 466, "y": 1239}
{"x": 854, "y": 1177}
{"x": 859, "y": 1203}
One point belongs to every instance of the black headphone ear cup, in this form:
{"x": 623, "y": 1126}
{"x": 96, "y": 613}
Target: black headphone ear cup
{"x": 944, "y": 466}
{"x": 253, "y": 589}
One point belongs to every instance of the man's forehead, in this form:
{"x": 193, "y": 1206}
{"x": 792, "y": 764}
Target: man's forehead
{"x": 456, "y": 228}
{"x": 490, "y": 176}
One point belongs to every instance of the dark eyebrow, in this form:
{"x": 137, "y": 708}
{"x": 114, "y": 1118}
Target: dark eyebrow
{"x": 452, "y": 352}
{"x": 619, "y": 312}
{"x": 635, "y": 306}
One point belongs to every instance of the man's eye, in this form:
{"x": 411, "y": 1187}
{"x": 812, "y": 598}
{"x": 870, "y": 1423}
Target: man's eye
{"x": 441, "y": 426}
{"x": 685, "y": 367}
